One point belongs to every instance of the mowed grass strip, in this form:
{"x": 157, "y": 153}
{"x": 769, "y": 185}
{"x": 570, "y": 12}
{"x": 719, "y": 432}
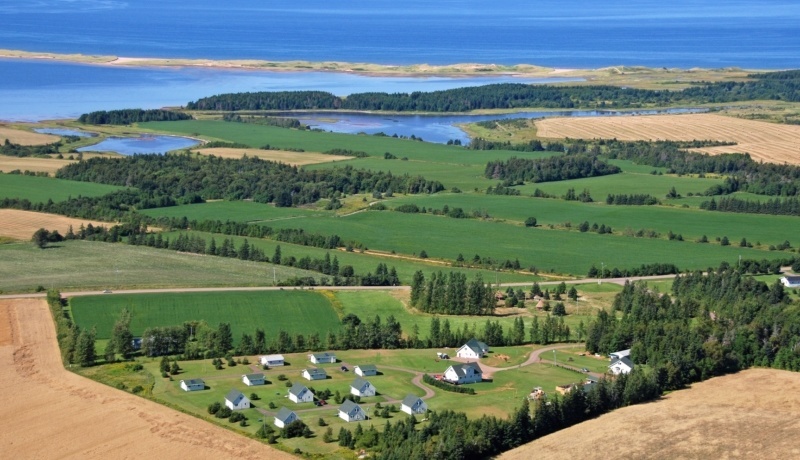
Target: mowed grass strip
{"x": 237, "y": 211}
{"x": 296, "y": 312}
{"x": 41, "y": 189}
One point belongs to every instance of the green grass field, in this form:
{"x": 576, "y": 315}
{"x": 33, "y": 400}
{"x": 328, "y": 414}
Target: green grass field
{"x": 292, "y": 311}
{"x": 41, "y": 189}
{"x": 237, "y": 211}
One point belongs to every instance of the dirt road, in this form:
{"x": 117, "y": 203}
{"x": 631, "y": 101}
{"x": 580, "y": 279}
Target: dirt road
{"x": 52, "y": 413}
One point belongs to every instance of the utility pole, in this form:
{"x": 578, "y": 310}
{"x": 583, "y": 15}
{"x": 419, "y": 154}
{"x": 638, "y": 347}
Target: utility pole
{"x": 602, "y": 272}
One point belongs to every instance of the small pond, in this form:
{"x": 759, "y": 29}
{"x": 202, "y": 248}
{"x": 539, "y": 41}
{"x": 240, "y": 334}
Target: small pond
{"x": 65, "y": 132}
{"x": 143, "y": 144}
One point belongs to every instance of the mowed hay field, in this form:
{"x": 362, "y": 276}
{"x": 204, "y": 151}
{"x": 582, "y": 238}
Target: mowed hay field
{"x": 281, "y": 156}
{"x": 21, "y": 225}
{"x": 752, "y": 414}
{"x": 770, "y": 142}
{"x": 22, "y": 137}
{"x": 58, "y": 414}
{"x": 50, "y": 166}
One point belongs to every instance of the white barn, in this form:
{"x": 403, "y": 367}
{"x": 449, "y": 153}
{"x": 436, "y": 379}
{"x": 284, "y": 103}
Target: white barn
{"x": 253, "y": 379}
{"x": 361, "y": 387}
{"x": 464, "y": 373}
{"x": 315, "y": 374}
{"x": 235, "y": 400}
{"x": 621, "y": 366}
{"x": 298, "y": 393}
{"x": 285, "y": 417}
{"x": 272, "y": 360}
{"x": 366, "y": 370}
{"x": 351, "y": 412}
{"x": 473, "y": 349}
{"x": 193, "y": 385}
{"x": 319, "y": 358}
{"x": 413, "y": 405}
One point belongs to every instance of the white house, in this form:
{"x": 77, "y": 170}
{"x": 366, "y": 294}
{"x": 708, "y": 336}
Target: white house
{"x": 315, "y": 374}
{"x": 298, "y": 393}
{"x": 253, "y": 379}
{"x": 366, "y": 370}
{"x": 285, "y": 417}
{"x": 413, "y": 405}
{"x": 791, "y": 281}
{"x": 351, "y": 412}
{"x": 236, "y": 400}
{"x": 621, "y": 366}
{"x": 620, "y": 354}
{"x": 193, "y": 385}
{"x": 272, "y": 360}
{"x": 464, "y": 373}
{"x": 319, "y": 358}
{"x": 473, "y": 349}
{"x": 361, "y": 387}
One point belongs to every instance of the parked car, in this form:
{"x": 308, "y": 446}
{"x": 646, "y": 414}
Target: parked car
{"x": 584, "y": 370}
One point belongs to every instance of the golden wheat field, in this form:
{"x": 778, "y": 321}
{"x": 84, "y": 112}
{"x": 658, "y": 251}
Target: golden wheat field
{"x": 752, "y": 414}
{"x": 22, "y": 137}
{"x": 50, "y": 166}
{"x": 21, "y": 225}
{"x": 770, "y": 142}
{"x": 291, "y": 158}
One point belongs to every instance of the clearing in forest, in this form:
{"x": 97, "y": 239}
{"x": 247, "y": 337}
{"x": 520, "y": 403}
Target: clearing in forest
{"x": 22, "y": 137}
{"x": 21, "y": 225}
{"x": 281, "y": 156}
{"x": 770, "y": 142}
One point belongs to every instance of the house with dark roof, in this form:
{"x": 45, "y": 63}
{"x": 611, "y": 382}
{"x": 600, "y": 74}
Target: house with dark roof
{"x": 473, "y": 349}
{"x": 463, "y": 373}
{"x": 413, "y": 404}
{"x": 366, "y": 370}
{"x": 315, "y": 373}
{"x": 236, "y": 400}
{"x": 361, "y": 387}
{"x": 320, "y": 358}
{"x": 253, "y": 379}
{"x": 298, "y": 393}
{"x": 351, "y": 412}
{"x": 193, "y": 385}
{"x": 285, "y": 417}
{"x": 791, "y": 281}
{"x": 621, "y": 366}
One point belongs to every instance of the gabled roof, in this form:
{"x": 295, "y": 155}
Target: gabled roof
{"x": 626, "y": 361}
{"x": 793, "y": 278}
{"x": 273, "y": 357}
{"x": 348, "y": 406}
{"x": 621, "y": 353}
{"x": 252, "y": 377}
{"x": 297, "y": 389}
{"x": 194, "y": 382}
{"x": 461, "y": 369}
{"x": 284, "y": 414}
{"x": 359, "y": 383}
{"x": 411, "y": 400}
{"x": 234, "y": 396}
{"x": 322, "y": 356}
{"x": 316, "y": 372}
{"x": 476, "y": 345}
{"x": 367, "y": 367}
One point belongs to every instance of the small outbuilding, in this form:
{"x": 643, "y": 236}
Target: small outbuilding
{"x": 366, "y": 370}
{"x": 254, "y": 379}
{"x": 285, "y": 417}
{"x": 620, "y": 354}
{"x": 235, "y": 400}
{"x": 473, "y": 349}
{"x": 193, "y": 385}
{"x": 315, "y": 374}
{"x": 298, "y": 393}
{"x": 413, "y": 404}
{"x": 362, "y": 388}
{"x": 351, "y": 412}
{"x": 322, "y": 358}
{"x": 272, "y": 360}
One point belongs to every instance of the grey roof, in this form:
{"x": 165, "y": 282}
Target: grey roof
{"x": 476, "y": 345}
{"x": 359, "y": 383}
{"x": 410, "y": 400}
{"x": 461, "y": 369}
{"x": 624, "y": 360}
{"x": 316, "y": 371}
{"x": 273, "y": 357}
{"x": 621, "y": 353}
{"x": 320, "y": 356}
{"x": 792, "y": 278}
{"x": 367, "y": 367}
{"x": 254, "y": 376}
{"x": 194, "y": 382}
{"x": 284, "y": 414}
{"x": 348, "y": 406}
{"x": 297, "y": 389}
{"x": 234, "y": 396}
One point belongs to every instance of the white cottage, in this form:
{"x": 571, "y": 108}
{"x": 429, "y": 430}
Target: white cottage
{"x": 319, "y": 358}
{"x": 285, "y": 417}
{"x": 621, "y": 366}
{"x": 791, "y": 281}
{"x": 235, "y": 400}
{"x": 253, "y": 379}
{"x": 193, "y": 385}
{"x": 315, "y": 374}
{"x": 366, "y": 370}
{"x": 351, "y": 412}
{"x": 272, "y": 360}
{"x": 413, "y": 405}
{"x": 473, "y": 349}
{"x": 298, "y": 393}
{"x": 464, "y": 373}
{"x": 361, "y": 387}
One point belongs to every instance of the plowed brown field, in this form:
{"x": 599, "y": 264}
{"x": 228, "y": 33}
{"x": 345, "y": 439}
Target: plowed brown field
{"x": 771, "y": 142}
{"x": 50, "y": 413}
{"x": 752, "y": 414}
{"x": 291, "y": 158}
{"x": 49, "y": 166}
{"x": 22, "y": 224}
{"x": 22, "y": 137}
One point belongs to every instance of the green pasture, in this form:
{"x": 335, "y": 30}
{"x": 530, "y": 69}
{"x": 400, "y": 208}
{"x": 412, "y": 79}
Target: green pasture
{"x": 88, "y": 265}
{"x": 548, "y": 250}
{"x": 572, "y": 357}
{"x": 41, "y": 189}
{"x": 293, "y": 311}
{"x": 237, "y": 211}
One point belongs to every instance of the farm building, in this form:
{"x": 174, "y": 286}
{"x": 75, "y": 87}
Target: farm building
{"x": 319, "y": 358}
{"x": 791, "y": 281}
{"x": 463, "y": 373}
{"x": 298, "y": 393}
{"x": 272, "y": 360}
{"x": 473, "y": 349}
{"x": 621, "y": 366}
{"x": 413, "y": 405}
{"x": 536, "y": 394}
{"x": 236, "y": 400}
{"x": 620, "y": 354}
{"x": 351, "y": 412}
{"x": 253, "y": 379}
{"x": 193, "y": 385}
{"x": 366, "y": 370}
{"x": 361, "y": 387}
{"x": 315, "y": 374}
{"x": 285, "y": 417}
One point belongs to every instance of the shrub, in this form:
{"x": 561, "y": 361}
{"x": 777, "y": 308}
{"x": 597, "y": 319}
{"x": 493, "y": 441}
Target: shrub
{"x": 137, "y": 389}
{"x": 281, "y": 377}
{"x": 213, "y": 408}
{"x": 224, "y": 412}
{"x": 254, "y": 397}
{"x": 446, "y": 386}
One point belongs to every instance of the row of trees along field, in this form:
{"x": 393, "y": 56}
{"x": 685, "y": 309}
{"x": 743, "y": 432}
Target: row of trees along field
{"x": 451, "y": 294}
{"x": 15, "y": 150}
{"x": 776, "y": 206}
{"x": 783, "y": 86}
{"x": 129, "y": 116}
{"x": 187, "y": 178}
{"x": 557, "y": 168}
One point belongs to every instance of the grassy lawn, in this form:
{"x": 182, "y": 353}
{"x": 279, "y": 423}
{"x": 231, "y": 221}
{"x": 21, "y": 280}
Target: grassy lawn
{"x": 87, "y": 265}
{"x": 573, "y": 357}
{"x": 41, "y": 189}
{"x": 237, "y": 211}
{"x": 292, "y": 311}
{"x": 625, "y": 183}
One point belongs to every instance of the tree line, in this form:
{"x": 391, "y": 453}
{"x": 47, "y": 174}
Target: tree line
{"x": 634, "y": 199}
{"x": 776, "y": 206}
{"x": 129, "y": 116}
{"x": 556, "y": 168}
{"x": 451, "y": 294}
{"x": 16, "y": 150}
